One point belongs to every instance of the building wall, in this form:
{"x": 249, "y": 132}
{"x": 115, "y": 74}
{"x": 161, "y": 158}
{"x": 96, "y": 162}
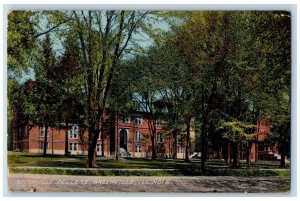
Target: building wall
{"x": 264, "y": 131}
{"x": 34, "y": 141}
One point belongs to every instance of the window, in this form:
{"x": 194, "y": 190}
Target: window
{"x": 73, "y": 146}
{"x": 73, "y": 132}
{"x": 126, "y": 119}
{"x": 138, "y": 148}
{"x": 138, "y": 120}
{"x": 180, "y": 149}
{"x": 42, "y": 131}
{"x": 159, "y": 137}
{"x": 99, "y": 147}
{"x": 158, "y": 122}
{"x": 137, "y": 136}
{"x": 42, "y": 145}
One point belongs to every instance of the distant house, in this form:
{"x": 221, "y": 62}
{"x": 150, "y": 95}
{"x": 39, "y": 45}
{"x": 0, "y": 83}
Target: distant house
{"x": 259, "y": 150}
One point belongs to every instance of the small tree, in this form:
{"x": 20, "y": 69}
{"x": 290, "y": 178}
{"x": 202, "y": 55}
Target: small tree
{"x": 237, "y": 132}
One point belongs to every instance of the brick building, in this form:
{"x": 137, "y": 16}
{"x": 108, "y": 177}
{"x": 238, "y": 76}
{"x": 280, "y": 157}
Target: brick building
{"x": 131, "y": 140}
{"x": 129, "y": 135}
{"x": 259, "y": 150}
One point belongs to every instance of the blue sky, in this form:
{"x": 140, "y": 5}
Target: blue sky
{"x": 144, "y": 41}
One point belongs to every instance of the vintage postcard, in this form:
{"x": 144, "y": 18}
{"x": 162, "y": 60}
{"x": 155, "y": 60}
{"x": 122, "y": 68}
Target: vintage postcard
{"x": 149, "y": 101}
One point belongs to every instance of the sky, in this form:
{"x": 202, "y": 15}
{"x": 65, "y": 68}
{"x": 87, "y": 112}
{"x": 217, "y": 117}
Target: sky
{"x": 145, "y": 41}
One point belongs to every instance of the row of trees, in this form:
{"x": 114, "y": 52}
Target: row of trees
{"x": 224, "y": 69}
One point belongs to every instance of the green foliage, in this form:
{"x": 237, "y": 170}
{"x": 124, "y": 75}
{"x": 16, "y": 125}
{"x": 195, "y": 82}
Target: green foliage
{"x": 21, "y": 43}
{"x": 237, "y": 131}
{"x": 223, "y": 67}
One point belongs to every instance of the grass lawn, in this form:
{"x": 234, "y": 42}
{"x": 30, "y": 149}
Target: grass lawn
{"x": 19, "y": 162}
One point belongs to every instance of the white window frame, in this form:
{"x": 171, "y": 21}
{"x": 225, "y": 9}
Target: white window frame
{"x": 137, "y": 136}
{"x": 75, "y": 146}
{"x": 138, "y": 148}
{"x": 180, "y": 149}
{"x": 73, "y": 132}
{"x": 127, "y": 120}
{"x": 42, "y": 131}
{"x": 99, "y": 148}
{"x": 138, "y": 120}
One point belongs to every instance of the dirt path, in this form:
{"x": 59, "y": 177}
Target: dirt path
{"x": 68, "y": 183}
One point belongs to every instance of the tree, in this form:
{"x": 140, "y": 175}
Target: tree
{"x": 104, "y": 37}
{"x": 175, "y": 90}
{"x": 237, "y": 132}
{"x": 12, "y": 95}
{"x": 67, "y": 76}
{"x": 204, "y": 40}
{"x": 277, "y": 37}
{"x": 23, "y": 34}
{"x": 20, "y": 45}
{"x": 37, "y": 99}
{"x": 145, "y": 95}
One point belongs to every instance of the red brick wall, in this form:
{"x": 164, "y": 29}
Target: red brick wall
{"x": 56, "y": 140}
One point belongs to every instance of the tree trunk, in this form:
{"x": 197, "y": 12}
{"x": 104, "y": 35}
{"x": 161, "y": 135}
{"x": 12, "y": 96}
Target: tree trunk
{"x": 117, "y": 136}
{"x": 203, "y": 130}
{"x": 248, "y": 155}
{"x": 93, "y": 136}
{"x": 20, "y": 140}
{"x": 102, "y": 142}
{"x": 234, "y": 147}
{"x": 204, "y": 148}
{"x": 67, "y": 138}
{"x": 282, "y": 153}
{"x": 228, "y": 154}
{"x": 188, "y": 143}
{"x": 45, "y": 140}
{"x": 282, "y": 161}
{"x": 52, "y": 141}
{"x": 238, "y": 155}
{"x": 153, "y": 139}
{"x": 220, "y": 153}
{"x": 154, "y": 156}
{"x": 174, "y": 156}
